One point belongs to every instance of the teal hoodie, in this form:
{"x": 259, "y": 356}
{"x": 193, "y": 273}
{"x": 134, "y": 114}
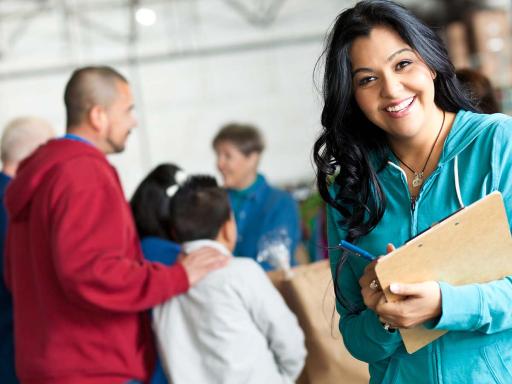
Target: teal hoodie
{"x": 476, "y": 160}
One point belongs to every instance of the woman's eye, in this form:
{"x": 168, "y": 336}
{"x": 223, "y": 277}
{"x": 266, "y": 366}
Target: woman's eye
{"x": 402, "y": 64}
{"x": 366, "y": 80}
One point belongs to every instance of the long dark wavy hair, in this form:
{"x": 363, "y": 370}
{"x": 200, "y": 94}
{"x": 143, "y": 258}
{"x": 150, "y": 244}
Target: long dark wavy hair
{"x": 351, "y": 150}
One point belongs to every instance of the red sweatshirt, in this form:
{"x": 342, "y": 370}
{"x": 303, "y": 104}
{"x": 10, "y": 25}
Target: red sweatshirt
{"x": 79, "y": 281}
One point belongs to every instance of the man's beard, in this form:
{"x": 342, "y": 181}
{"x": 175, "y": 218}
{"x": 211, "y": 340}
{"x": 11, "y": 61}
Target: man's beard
{"x": 116, "y": 148}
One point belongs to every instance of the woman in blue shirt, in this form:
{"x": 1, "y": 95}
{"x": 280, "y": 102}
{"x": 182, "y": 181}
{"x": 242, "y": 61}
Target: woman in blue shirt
{"x": 267, "y": 218}
{"x": 401, "y": 148}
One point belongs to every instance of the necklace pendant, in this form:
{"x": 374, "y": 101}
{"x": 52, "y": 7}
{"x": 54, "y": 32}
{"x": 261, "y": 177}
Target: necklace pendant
{"x": 418, "y": 179}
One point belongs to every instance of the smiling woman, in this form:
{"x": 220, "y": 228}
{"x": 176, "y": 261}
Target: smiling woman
{"x": 397, "y": 133}
{"x": 394, "y": 88}
{"x": 392, "y": 85}
{"x": 267, "y": 218}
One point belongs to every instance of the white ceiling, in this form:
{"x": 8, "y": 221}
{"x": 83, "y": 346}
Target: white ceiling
{"x": 41, "y": 36}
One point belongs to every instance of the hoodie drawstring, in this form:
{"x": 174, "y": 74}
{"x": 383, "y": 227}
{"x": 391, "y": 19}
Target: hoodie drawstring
{"x": 457, "y": 184}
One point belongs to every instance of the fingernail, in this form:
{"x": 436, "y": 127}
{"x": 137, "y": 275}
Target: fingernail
{"x": 395, "y": 288}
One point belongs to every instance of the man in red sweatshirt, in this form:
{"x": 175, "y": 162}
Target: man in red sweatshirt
{"x": 79, "y": 281}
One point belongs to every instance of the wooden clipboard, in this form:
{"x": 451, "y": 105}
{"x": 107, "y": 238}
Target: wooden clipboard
{"x": 473, "y": 245}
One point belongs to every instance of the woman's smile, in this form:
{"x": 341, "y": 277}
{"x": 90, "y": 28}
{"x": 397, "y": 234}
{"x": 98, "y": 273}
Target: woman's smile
{"x": 393, "y": 86}
{"x": 397, "y": 110}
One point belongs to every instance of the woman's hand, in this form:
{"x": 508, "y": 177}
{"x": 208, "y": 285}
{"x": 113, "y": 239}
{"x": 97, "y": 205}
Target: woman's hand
{"x": 421, "y": 302}
{"x": 370, "y": 289}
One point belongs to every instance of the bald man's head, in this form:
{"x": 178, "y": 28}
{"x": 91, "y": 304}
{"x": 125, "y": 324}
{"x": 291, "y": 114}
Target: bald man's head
{"x": 20, "y": 138}
{"x": 87, "y": 87}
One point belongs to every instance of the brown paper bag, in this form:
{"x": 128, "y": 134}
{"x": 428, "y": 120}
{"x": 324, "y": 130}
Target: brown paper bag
{"x": 310, "y": 295}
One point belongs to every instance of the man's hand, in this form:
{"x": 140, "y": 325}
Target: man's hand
{"x": 199, "y": 263}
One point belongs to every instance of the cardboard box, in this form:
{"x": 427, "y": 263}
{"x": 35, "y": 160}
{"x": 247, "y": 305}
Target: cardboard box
{"x": 491, "y": 43}
{"x": 457, "y": 43}
{"x": 310, "y": 295}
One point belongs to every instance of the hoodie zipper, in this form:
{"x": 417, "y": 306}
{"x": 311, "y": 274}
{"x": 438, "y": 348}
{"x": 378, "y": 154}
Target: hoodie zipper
{"x": 412, "y": 201}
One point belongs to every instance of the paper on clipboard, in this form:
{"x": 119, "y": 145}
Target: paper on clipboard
{"x": 472, "y": 246}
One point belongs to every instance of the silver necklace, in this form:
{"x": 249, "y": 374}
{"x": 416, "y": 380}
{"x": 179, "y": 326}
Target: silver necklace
{"x": 417, "y": 181}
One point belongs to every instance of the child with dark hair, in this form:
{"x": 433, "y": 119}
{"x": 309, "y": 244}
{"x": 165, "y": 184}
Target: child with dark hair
{"x": 232, "y": 327}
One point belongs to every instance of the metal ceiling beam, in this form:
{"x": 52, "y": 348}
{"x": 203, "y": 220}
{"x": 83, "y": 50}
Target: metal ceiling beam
{"x": 171, "y": 56}
{"x": 23, "y": 23}
{"x": 102, "y": 29}
{"x": 262, "y": 17}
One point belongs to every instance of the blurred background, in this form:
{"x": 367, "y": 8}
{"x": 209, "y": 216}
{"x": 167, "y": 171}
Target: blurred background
{"x": 195, "y": 65}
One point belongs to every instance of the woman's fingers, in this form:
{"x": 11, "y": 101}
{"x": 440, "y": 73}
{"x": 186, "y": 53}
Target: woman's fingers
{"x": 370, "y": 268}
{"x": 371, "y": 298}
{"x": 421, "y": 302}
{"x": 368, "y": 275}
{"x": 384, "y": 320}
{"x": 369, "y": 283}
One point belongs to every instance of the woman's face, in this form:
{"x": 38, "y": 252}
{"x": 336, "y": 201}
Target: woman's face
{"x": 238, "y": 170}
{"x": 392, "y": 85}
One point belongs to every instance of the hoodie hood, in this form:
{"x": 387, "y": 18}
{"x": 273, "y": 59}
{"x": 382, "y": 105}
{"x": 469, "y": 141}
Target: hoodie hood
{"x": 464, "y": 131}
{"x": 34, "y": 170}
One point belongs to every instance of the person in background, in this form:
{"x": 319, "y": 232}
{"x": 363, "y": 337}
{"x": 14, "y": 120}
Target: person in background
{"x": 81, "y": 287}
{"x": 480, "y": 89}
{"x": 402, "y": 147}
{"x": 150, "y": 208}
{"x": 234, "y": 326}
{"x": 20, "y": 138}
{"x": 265, "y": 216}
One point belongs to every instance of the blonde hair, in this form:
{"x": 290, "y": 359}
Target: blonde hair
{"x": 22, "y": 136}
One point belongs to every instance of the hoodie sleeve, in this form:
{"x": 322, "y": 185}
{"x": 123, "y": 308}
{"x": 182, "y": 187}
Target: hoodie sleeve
{"x": 502, "y": 164}
{"x": 95, "y": 248}
{"x": 485, "y": 307}
{"x": 363, "y": 335}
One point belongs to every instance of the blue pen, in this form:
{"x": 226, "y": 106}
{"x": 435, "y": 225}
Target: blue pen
{"x": 356, "y": 250}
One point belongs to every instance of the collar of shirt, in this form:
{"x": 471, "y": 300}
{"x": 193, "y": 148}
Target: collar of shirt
{"x": 252, "y": 191}
{"x": 191, "y": 246}
{"x": 71, "y": 136}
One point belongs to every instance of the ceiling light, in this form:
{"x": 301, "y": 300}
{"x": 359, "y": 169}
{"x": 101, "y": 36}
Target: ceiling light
{"x": 145, "y": 16}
